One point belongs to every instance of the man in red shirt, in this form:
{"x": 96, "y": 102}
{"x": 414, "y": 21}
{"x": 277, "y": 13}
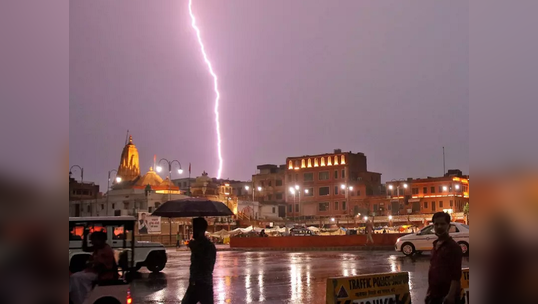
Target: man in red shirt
{"x": 445, "y": 266}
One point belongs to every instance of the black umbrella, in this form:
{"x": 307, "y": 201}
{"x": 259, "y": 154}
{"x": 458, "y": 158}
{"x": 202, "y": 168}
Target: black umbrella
{"x": 191, "y": 207}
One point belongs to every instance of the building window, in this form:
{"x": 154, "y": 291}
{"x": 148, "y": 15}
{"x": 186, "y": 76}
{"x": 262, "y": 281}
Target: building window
{"x": 389, "y": 192}
{"x": 329, "y": 161}
{"x": 433, "y": 206}
{"x": 296, "y": 177}
{"x": 323, "y": 207}
{"x": 335, "y": 205}
{"x": 440, "y": 204}
{"x": 336, "y": 160}
{"x": 309, "y": 163}
{"x": 358, "y": 192}
{"x": 451, "y": 203}
{"x": 342, "y": 160}
{"x": 323, "y": 161}
{"x": 296, "y": 207}
{"x": 415, "y": 191}
{"x": 278, "y": 182}
{"x": 309, "y": 192}
{"x": 432, "y": 190}
{"x": 290, "y": 165}
{"x": 344, "y": 205}
{"x": 425, "y": 190}
{"x": 343, "y": 173}
{"x": 324, "y": 191}
{"x": 274, "y": 210}
{"x": 425, "y": 205}
{"x": 262, "y": 183}
{"x": 308, "y": 177}
{"x": 269, "y": 197}
{"x": 113, "y": 206}
{"x": 303, "y": 163}
{"x": 316, "y": 164}
{"x": 336, "y": 174}
{"x": 336, "y": 190}
{"x": 270, "y": 183}
{"x": 102, "y": 206}
{"x": 290, "y": 208}
{"x": 279, "y": 196}
{"x": 323, "y": 175}
{"x": 440, "y": 189}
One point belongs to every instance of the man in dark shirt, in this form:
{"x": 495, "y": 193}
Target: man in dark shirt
{"x": 445, "y": 265}
{"x": 203, "y": 257}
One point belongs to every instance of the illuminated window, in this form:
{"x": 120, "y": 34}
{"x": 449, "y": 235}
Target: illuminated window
{"x": 309, "y": 163}
{"x": 342, "y": 160}
{"x": 290, "y": 166}
{"x": 323, "y": 161}
{"x": 303, "y": 163}
{"x": 336, "y": 160}
{"x": 316, "y": 162}
{"x": 329, "y": 161}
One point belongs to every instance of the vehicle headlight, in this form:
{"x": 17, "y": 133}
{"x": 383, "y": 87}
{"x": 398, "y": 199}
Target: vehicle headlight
{"x": 398, "y": 240}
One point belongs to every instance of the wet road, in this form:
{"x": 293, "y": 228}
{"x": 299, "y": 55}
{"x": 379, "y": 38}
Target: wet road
{"x": 278, "y": 277}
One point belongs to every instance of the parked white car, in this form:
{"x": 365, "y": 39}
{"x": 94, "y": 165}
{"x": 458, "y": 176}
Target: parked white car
{"x": 151, "y": 255}
{"x": 423, "y": 240}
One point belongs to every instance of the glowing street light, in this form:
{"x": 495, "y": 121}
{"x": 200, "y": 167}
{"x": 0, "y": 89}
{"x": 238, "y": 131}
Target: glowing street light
{"x": 118, "y": 179}
{"x": 260, "y": 189}
{"x": 445, "y": 188}
{"x": 332, "y": 219}
{"x": 297, "y": 187}
{"x": 170, "y": 163}
{"x": 247, "y": 188}
{"x": 390, "y": 217}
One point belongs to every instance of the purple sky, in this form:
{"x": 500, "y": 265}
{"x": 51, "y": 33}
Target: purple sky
{"x": 387, "y": 79}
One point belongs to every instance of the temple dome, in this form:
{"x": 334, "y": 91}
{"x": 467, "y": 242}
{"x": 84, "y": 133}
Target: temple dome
{"x": 151, "y": 178}
{"x": 129, "y": 168}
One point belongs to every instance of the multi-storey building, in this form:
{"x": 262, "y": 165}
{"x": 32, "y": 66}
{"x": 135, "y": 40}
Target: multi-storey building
{"x": 268, "y": 187}
{"x": 449, "y": 193}
{"x": 334, "y": 184}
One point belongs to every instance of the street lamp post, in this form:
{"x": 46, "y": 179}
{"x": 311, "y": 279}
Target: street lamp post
{"x": 347, "y": 189}
{"x": 180, "y": 171}
{"x": 81, "y": 172}
{"x": 81, "y": 181}
{"x": 404, "y": 185}
{"x": 292, "y": 191}
{"x": 118, "y": 179}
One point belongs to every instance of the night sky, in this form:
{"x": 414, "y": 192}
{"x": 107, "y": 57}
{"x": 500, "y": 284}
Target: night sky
{"x": 387, "y": 78}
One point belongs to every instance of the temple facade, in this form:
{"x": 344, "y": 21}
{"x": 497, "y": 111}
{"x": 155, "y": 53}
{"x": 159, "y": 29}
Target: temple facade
{"x": 215, "y": 190}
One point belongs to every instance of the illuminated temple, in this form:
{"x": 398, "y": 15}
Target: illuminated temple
{"x": 129, "y": 172}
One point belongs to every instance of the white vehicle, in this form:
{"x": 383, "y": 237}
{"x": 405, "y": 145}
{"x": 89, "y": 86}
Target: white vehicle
{"x": 151, "y": 255}
{"x": 423, "y": 240}
{"x": 115, "y": 291}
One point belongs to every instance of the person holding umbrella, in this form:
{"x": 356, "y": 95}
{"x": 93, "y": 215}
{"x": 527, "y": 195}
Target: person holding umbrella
{"x": 203, "y": 257}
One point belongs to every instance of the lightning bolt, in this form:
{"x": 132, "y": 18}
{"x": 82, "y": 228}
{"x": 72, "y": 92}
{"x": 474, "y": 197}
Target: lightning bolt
{"x": 215, "y": 87}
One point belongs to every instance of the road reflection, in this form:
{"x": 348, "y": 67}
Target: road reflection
{"x": 278, "y": 277}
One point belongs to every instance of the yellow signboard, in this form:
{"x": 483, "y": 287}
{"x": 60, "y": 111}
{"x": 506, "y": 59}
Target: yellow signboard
{"x": 465, "y": 286}
{"x": 386, "y": 288}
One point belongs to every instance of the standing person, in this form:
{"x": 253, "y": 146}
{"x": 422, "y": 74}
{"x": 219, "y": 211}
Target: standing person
{"x": 445, "y": 266}
{"x": 369, "y": 231}
{"x": 203, "y": 256}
